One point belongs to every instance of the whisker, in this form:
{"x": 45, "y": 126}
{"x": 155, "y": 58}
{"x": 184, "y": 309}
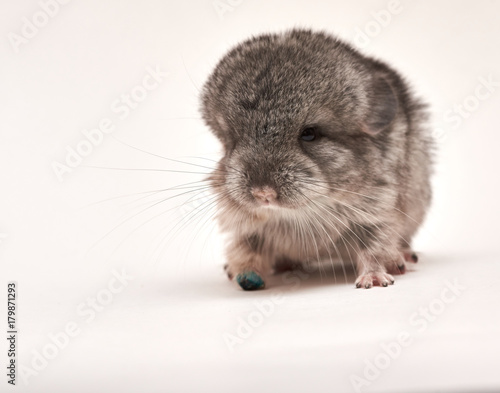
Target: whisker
{"x": 341, "y": 237}
{"x": 187, "y": 73}
{"x": 143, "y": 169}
{"x": 363, "y": 195}
{"x": 218, "y": 162}
{"x": 131, "y": 217}
{"x": 180, "y": 225}
{"x": 166, "y": 158}
{"x": 140, "y": 193}
{"x": 320, "y": 226}
{"x": 364, "y": 214}
{"x": 347, "y": 227}
{"x": 153, "y": 218}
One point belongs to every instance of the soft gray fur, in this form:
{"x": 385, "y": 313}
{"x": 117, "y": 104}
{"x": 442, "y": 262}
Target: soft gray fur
{"x": 358, "y": 191}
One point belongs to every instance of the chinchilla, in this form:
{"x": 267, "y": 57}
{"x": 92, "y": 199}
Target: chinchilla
{"x": 326, "y": 155}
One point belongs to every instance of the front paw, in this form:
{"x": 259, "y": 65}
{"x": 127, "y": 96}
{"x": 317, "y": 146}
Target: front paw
{"x": 250, "y": 281}
{"x": 370, "y": 279}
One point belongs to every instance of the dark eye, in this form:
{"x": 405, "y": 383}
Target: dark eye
{"x": 308, "y": 134}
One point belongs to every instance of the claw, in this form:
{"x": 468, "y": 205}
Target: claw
{"x": 410, "y": 256}
{"x": 374, "y": 278}
{"x": 228, "y": 272}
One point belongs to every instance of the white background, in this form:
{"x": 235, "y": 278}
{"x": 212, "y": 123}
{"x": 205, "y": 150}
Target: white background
{"x": 165, "y": 330}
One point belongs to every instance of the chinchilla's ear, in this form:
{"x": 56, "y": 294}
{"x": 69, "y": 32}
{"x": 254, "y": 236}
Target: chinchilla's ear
{"x": 382, "y": 106}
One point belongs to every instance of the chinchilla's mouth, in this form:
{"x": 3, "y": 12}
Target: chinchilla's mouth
{"x": 276, "y": 206}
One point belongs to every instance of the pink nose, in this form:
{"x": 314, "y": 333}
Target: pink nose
{"x": 264, "y": 195}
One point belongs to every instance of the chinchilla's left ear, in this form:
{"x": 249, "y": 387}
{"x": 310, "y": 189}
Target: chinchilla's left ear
{"x": 382, "y": 107}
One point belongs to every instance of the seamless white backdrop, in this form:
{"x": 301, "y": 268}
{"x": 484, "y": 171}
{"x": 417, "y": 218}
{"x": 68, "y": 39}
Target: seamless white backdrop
{"x": 166, "y": 328}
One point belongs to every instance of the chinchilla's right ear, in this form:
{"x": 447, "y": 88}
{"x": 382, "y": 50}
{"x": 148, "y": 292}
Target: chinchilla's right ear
{"x": 382, "y": 106}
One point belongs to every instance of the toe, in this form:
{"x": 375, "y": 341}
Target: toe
{"x": 410, "y": 256}
{"x": 398, "y": 267}
{"x": 364, "y": 281}
{"x": 228, "y": 272}
{"x": 369, "y": 280}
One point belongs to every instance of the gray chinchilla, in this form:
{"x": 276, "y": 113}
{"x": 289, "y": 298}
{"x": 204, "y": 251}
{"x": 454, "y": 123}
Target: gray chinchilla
{"x": 326, "y": 155}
